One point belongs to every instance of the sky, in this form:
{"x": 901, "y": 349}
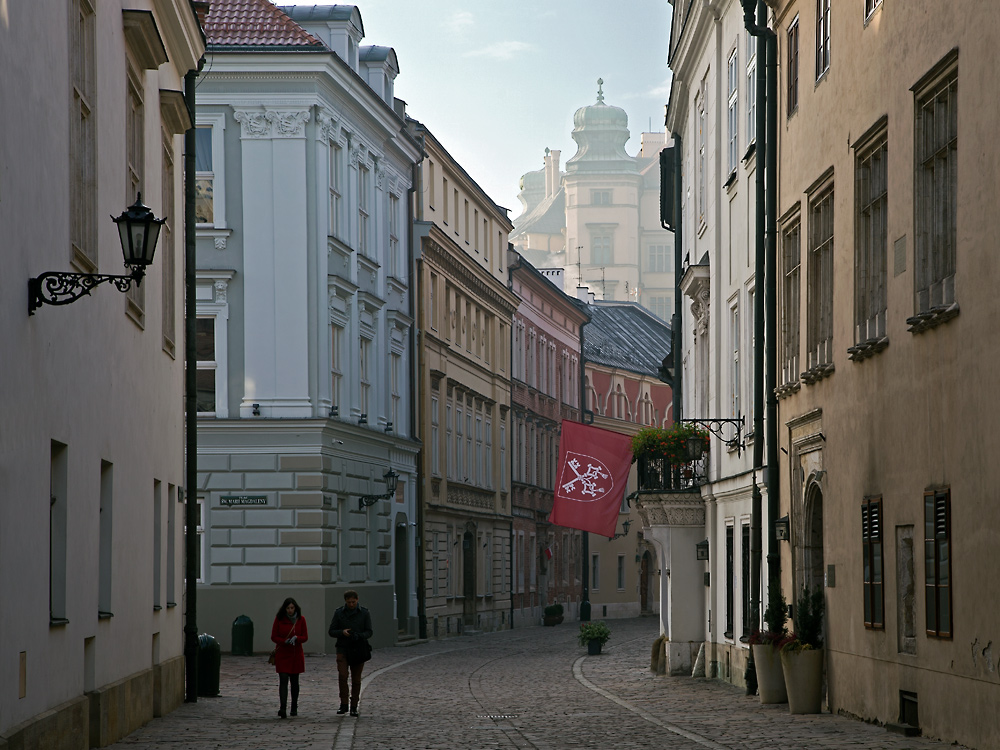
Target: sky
{"x": 498, "y": 82}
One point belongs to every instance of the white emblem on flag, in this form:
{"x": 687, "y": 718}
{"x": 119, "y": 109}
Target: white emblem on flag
{"x": 590, "y": 479}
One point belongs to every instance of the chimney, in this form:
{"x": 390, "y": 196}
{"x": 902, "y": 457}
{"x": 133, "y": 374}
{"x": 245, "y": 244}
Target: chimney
{"x": 200, "y": 10}
{"x": 584, "y": 295}
{"x": 552, "y": 176}
{"x": 399, "y": 107}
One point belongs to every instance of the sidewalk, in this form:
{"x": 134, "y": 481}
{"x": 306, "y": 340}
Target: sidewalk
{"x": 526, "y": 688}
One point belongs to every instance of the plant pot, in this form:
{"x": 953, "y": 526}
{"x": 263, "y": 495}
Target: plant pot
{"x": 803, "y": 680}
{"x": 770, "y": 677}
{"x": 550, "y": 620}
{"x": 594, "y": 646}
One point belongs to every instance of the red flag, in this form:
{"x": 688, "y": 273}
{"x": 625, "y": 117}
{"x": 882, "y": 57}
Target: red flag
{"x": 593, "y": 473}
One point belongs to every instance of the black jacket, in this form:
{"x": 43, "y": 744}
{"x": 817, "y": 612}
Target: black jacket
{"x": 358, "y": 621}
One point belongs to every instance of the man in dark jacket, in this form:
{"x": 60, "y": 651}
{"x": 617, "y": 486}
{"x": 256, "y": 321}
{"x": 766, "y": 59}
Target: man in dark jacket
{"x": 352, "y": 627}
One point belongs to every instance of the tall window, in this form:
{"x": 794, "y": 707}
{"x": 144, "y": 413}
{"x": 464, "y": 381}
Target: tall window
{"x": 790, "y": 291}
{"x": 435, "y": 447}
{"x": 58, "y": 501}
{"x": 660, "y": 307}
{"x": 480, "y": 467}
{"x": 734, "y": 340}
{"x": 488, "y": 483}
{"x": 503, "y": 458}
{"x": 393, "y": 235}
{"x": 822, "y": 37}
{"x": 702, "y": 139}
{"x": 336, "y": 366}
{"x": 205, "y": 378}
{"x": 745, "y": 578}
{"x": 135, "y": 151}
{"x": 935, "y": 204}
{"x": 657, "y": 259}
{"x": 395, "y": 375}
{"x": 449, "y": 441}
{"x": 793, "y": 66}
{"x": 871, "y": 544}
{"x": 460, "y": 474}
{"x": 937, "y": 562}
{"x": 168, "y": 261}
{"x": 734, "y": 113}
{"x": 83, "y": 136}
{"x": 336, "y": 190}
{"x": 871, "y": 195}
{"x": 621, "y": 572}
{"x": 364, "y": 186}
{"x": 444, "y": 197}
{"x": 600, "y": 197}
{"x": 730, "y": 579}
{"x": 870, "y": 6}
{"x": 364, "y": 372}
{"x": 595, "y": 572}
{"x": 751, "y": 89}
{"x": 820, "y": 293}
{"x": 601, "y": 250}
{"x": 204, "y": 182}
{"x": 105, "y": 549}
{"x": 748, "y": 316}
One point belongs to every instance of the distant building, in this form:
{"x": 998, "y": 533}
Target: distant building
{"x": 546, "y": 389}
{"x": 623, "y": 347}
{"x": 92, "y": 113}
{"x": 599, "y": 219}
{"x": 463, "y": 316}
{"x": 305, "y": 319}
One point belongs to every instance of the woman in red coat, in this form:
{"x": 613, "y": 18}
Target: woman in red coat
{"x": 289, "y": 632}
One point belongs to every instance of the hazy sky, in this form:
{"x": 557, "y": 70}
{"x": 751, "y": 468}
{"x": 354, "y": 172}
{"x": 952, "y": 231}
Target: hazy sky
{"x": 498, "y": 82}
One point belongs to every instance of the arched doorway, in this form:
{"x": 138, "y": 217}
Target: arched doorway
{"x": 814, "y": 567}
{"x": 402, "y": 572}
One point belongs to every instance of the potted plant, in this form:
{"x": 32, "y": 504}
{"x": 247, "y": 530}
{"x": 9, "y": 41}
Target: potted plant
{"x": 553, "y": 615}
{"x": 658, "y": 450}
{"x": 802, "y": 655}
{"x": 766, "y": 646}
{"x": 594, "y": 635}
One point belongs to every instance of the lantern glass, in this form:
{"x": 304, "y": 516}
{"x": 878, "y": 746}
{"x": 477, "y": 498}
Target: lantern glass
{"x": 695, "y": 447}
{"x": 138, "y": 230}
{"x": 391, "y": 480}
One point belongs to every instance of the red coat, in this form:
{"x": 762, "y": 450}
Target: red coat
{"x": 289, "y": 659}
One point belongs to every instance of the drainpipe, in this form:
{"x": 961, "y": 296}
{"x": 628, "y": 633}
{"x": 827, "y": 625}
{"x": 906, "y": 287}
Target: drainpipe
{"x": 676, "y": 338}
{"x": 766, "y": 78}
{"x": 585, "y": 536}
{"x": 191, "y": 406}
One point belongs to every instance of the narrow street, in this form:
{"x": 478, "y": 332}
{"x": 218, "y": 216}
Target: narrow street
{"x": 526, "y": 688}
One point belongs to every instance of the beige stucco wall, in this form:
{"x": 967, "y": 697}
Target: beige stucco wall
{"x": 919, "y": 414}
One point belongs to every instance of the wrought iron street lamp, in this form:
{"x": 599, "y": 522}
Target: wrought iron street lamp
{"x": 138, "y": 230}
{"x": 624, "y": 532}
{"x": 391, "y": 480}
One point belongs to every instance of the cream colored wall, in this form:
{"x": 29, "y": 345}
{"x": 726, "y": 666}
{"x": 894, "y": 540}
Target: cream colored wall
{"x": 919, "y": 414}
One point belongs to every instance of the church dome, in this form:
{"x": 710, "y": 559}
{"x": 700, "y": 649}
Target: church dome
{"x": 600, "y": 131}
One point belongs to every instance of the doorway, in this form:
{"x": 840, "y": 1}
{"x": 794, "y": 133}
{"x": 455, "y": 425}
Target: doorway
{"x": 644, "y": 581}
{"x": 402, "y": 573}
{"x": 469, "y": 579}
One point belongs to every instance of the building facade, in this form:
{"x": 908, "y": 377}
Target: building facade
{"x": 304, "y": 322}
{"x": 463, "y": 385}
{"x": 91, "y": 540}
{"x": 546, "y": 382}
{"x": 599, "y": 220}
{"x": 887, "y": 271}
{"x": 623, "y": 347}
{"x": 713, "y": 111}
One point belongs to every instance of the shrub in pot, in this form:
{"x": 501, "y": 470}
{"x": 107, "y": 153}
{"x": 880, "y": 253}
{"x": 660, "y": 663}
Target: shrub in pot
{"x": 594, "y": 635}
{"x": 553, "y": 614}
{"x": 767, "y": 645}
{"x": 802, "y": 655}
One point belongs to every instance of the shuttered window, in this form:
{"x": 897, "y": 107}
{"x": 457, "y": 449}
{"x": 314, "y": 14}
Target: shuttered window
{"x": 871, "y": 533}
{"x": 937, "y": 562}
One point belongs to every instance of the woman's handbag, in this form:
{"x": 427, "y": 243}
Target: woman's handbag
{"x": 274, "y": 651}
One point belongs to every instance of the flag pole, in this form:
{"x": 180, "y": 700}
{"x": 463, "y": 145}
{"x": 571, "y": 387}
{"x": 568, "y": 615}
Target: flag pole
{"x": 585, "y": 604}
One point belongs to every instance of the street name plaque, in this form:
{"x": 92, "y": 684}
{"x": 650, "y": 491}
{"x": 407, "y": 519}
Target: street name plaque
{"x": 243, "y": 500}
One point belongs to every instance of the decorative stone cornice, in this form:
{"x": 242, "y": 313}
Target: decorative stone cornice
{"x": 671, "y": 509}
{"x": 272, "y": 124}
{"x": 469, "y": 281}
{"x": 329, "y": 126}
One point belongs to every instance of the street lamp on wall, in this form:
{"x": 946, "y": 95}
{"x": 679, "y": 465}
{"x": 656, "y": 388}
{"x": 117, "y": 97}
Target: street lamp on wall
{"x": 391, "y": 480}
{"x": 624, "y": 532}
{"x": 138, "y": 231}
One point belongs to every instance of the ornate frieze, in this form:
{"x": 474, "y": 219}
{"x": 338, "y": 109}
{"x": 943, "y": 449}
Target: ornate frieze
{"x": 272, "y": 124}
{"x": 470, "y": 497}
{"x": 329, "y": 126}
{"x": 671, "y": 509}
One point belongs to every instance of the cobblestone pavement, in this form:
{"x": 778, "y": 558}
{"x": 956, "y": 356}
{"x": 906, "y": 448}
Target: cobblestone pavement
{"x": 525, "y": 688}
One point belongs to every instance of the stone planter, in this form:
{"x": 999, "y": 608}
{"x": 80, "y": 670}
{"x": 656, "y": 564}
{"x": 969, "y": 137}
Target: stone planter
{"x": 550, "y": 620}
{"x": 594, "y": 647}
{"x": 803, "y": 680}
{"x": 770, "y": 677}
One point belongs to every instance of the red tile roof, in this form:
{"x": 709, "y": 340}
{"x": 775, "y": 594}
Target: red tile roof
{"x": 254, "y": 23}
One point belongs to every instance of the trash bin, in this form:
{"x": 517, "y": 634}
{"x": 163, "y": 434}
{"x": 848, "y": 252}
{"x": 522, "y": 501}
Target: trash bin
{"x": 242, "y": 636}
{"x": 209, "y": 662}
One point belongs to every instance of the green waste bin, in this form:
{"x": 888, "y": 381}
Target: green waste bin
{"x": 242, "y": 636}
{"x": 209, "y": 662}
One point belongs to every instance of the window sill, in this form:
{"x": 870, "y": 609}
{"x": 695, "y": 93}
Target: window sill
{"x": 817, "y": 373}
{"x": 866, "y": 349}
{"x": 751, "y": 151}
{"x": 58, "y": 622}
{"x": 157, "y": 608}
{"x": 932, "y": 318}
{"x": 104, "y": 615}
{"x": 731, "y": 180}
{"x": 171, "y": 605}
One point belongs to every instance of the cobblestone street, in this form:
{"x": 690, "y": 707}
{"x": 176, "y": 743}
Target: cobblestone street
{"x": 526, "y": 688}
